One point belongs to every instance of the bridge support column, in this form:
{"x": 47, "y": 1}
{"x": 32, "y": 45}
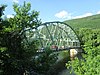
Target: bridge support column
{"x": 73, "y": 53}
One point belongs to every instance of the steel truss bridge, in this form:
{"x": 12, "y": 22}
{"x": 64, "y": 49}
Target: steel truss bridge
{"x": 56, "y": 35}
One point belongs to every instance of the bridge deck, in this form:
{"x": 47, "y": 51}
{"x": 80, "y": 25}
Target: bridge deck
{"x": 57, "y": 50}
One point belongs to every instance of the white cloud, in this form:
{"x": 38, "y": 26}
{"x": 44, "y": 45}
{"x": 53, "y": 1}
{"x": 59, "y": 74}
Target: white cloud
{"x": 10, "y": 16}
{"x": 66, "y": 15}
{"x": 63, "y": 14}
{"x": 98, "y": 12}
{"x": 81, "y": 16}
{"x": 16, "y": 1}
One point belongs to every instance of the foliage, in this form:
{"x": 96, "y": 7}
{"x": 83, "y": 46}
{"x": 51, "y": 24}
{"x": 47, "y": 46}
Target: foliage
{"x": 89, "y": 65}
{"x": 45, "y": 61}
{"x": 2, "y": 8}
{"x": 18, "y": 54}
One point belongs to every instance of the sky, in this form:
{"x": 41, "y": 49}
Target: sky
{"x": 57, "y": 10}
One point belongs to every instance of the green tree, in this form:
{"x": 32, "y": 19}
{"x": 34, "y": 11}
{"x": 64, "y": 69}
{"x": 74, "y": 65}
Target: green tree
{"x": 90, "y": 65}
{"x": 18, "y": 52}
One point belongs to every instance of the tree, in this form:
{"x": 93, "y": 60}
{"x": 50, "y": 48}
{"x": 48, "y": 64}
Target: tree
{"x": 2, "y": 8}
{"x": 18, "y": 54}
{"x": 91, "y": 44}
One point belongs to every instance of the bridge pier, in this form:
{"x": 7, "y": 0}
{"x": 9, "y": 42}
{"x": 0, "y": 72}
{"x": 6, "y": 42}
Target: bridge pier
{"x": 74, "y": 53}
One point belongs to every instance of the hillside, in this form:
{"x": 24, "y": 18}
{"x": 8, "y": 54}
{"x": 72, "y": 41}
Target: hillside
{"x": 86, "y": 22}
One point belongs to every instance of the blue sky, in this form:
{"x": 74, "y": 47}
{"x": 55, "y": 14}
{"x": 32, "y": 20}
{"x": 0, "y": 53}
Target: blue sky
{"x": 58, "y": 10}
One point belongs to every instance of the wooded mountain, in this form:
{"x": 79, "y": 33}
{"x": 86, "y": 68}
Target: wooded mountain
{"x": 86, "y": 22}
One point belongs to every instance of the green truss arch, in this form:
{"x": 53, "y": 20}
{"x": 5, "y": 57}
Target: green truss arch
{"x": 56, "y": 35}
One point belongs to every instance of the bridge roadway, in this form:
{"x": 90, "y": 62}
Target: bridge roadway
{"x": 60, "y": 49}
